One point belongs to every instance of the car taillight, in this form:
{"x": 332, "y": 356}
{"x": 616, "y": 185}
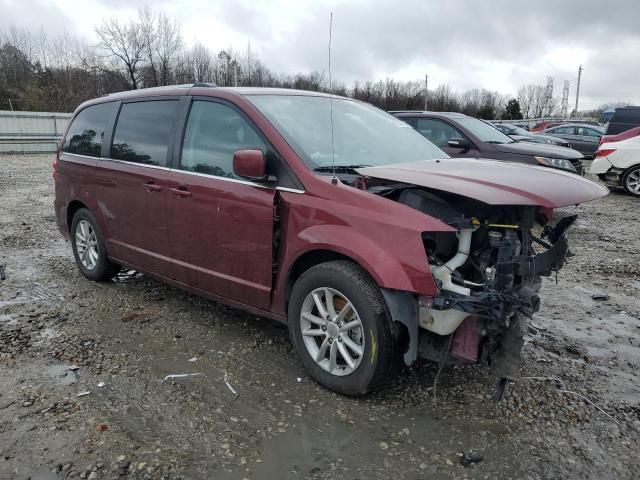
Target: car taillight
{"x": 605, "y": 152}
{"x": 55, "y": 167}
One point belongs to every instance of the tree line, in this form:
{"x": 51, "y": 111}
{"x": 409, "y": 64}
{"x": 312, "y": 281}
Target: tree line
{"x": 45, "y": 73}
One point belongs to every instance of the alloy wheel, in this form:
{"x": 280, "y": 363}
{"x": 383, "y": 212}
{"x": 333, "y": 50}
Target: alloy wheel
{"x": 633, "y": 182}
{"x": 332, "y": 331}
{"x": 87, "y": 245}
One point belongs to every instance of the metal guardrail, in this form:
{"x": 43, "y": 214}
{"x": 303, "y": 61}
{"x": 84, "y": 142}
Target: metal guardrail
{"x": 31, "y": 132}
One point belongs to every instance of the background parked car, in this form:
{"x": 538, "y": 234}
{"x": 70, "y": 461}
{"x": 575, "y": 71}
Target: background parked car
{"x": 584, "y": 138}
{"x": 540, "y": 126}
{"x": 623, "y": 119}
{"x": 519, "y": 134}
{"x": 617, "y": 161}
{"x": 462, "y": 136}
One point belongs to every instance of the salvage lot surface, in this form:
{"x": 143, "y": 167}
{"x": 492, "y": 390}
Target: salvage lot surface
{"x": 131, "y": 333}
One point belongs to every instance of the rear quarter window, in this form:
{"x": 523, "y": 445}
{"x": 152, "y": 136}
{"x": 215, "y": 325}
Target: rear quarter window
{"x": 86, "y": 132}
{"x": 144, "y": 132}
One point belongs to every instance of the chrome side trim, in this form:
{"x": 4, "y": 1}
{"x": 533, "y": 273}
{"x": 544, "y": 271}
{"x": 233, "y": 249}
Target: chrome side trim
{"x": 75, "y": 155}
{"x": 290, "y": 190}
{"x": 137, "y": 164}
{"x": 225, "y": 179}
{"x": 198, "y": 174}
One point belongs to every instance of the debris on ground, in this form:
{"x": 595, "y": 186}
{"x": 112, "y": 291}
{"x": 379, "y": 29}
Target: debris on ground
{"x": 231, "y": 389}
{"x": 600, "y": 296}
{"x": 468, "y": 458}
{"x": 181, "y": 375}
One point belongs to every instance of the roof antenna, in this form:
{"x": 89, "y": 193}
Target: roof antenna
{"x": 334, "y": 179}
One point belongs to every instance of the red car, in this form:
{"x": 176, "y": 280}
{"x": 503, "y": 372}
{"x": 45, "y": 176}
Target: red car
{"x": 540, "y": 126}
{"x": 324, "y": 213}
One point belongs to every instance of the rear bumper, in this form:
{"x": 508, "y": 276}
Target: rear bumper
{"x": 600, "y": 165}
{"x": 61, "y": 220}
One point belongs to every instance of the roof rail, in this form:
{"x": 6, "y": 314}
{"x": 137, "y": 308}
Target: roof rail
{"x": 182, "y": 85}
{"x": 204, "y": 84}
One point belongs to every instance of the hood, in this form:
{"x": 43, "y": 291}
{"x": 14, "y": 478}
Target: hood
{"x": 538, "y": 149}
{"x": 494, "y": 182}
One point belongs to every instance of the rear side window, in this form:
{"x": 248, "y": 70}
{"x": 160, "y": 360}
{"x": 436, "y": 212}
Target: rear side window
{"x": 144, "y": 132}
{"x": 213, "y": 134}
{"x": 86, "y": 133}
{"x": 436, "y": 131}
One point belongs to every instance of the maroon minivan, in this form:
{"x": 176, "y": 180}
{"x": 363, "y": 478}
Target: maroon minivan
{"x": 321, "y": 212}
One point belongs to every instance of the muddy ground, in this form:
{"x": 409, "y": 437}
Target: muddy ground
{"x": 125, "y": 337}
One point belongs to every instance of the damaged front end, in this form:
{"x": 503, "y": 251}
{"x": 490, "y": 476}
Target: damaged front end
{"x": 489, "y": 279}
{"x": 488, "y": 275}
{"x": 488, "y": 271}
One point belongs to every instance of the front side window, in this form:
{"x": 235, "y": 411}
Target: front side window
{"x": 144, "y": 132}
{"x": 362, "y": 134}
{"x": 213, "y": 134}
{"x": 437, "y": 131}
{"x": 563, "y": 131}
{"x": 86, "y": 133}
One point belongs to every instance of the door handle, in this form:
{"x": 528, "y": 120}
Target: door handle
{"x": 181, "y": 192}
{"x": 152, "y": 187}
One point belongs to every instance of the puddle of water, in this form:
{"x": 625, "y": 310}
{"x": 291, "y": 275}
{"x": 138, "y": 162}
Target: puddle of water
{"x": 62, "y": 374}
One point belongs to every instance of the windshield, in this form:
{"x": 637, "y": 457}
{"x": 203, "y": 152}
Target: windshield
{"x": 363, "y": 135}
{"x": 485, "y": 132}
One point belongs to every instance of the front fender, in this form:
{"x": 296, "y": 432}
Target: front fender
{"x": 383, "y": 236}
{"x": 403, "y": 267}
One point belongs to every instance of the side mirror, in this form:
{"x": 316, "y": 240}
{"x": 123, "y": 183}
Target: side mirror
{"x": 250, "y": 164}
{"x": 458, "y": 143}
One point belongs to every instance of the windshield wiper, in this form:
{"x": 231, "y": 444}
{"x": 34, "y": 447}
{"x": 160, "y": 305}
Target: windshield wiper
{"x": 339, "y": 168}
{"x": 495, "y": 142}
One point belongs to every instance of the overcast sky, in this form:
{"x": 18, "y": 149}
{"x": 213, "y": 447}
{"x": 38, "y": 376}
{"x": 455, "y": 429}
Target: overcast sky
{"x": 494, "y": 44}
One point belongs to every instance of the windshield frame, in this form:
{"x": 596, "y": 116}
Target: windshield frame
{"x": 270, "y": 112}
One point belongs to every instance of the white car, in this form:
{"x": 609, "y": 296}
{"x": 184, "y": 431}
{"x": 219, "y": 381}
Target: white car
{"x": 617, "y": 161}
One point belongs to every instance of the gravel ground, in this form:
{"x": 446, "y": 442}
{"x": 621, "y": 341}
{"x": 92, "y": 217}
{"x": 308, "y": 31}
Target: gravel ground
{"x": 574, "y": 414}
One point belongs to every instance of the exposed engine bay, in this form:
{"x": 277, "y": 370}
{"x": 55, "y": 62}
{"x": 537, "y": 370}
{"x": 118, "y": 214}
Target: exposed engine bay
{"x": 488, "y": 274}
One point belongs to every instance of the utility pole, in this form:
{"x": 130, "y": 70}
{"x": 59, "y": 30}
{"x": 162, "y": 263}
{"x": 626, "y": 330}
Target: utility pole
{"x": 575, "y": 111}
{"x": 426, "y": 91}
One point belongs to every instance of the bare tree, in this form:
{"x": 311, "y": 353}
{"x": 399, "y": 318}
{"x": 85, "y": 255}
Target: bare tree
{"x": 201, "y": 63}
{"x": 168, "y": 43}
{"x": 125, "y": 43}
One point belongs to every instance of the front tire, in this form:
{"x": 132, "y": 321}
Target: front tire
{"x": 339, "y": 326}
{"x": 631, "y": 181}
{"x": 89, "y": 249}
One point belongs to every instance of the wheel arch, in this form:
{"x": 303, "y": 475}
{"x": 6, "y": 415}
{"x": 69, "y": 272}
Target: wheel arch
{"x": 314, "y": 257}
{"x": 72, "y": 208}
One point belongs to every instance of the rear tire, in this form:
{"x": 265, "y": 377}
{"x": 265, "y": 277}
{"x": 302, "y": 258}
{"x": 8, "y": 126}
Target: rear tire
{"x": 355, "y": 329}
{"x": 631, "y": 181}
{"x": 89, "y": 249}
